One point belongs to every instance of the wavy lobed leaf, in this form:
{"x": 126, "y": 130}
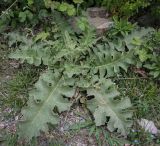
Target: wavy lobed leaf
{"x": 108, "y": 62}
{"x": 105, "y": 105}
{"x": 48, "y": 94}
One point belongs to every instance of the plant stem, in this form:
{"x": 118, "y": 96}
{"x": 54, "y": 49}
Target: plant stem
{"x": 3, "y": 12}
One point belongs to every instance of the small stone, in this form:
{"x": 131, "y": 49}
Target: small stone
{"x": 61, "y": 129}
{"x": 16, "y": 118}
{"x": 15, "y": 65}
{"x": 148, "y": 126}
{"x": 101, "y": 24}
{"x": 90, "y": 140}
{"x": 8, "y": 77}
{"x": 8, "y": 110}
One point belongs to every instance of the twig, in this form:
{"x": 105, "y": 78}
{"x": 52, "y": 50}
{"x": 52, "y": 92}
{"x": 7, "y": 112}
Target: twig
{"x": 3, "y": 12}
{"x": 3, "y": 95}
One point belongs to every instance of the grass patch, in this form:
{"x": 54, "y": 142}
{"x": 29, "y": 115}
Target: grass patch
{"x": 12, "y": 140}
{"x": 145, "y": 97}
{"x": 144, "y": 94}
{"x": 14, "y": 82}
{"x": 17, "y": 88}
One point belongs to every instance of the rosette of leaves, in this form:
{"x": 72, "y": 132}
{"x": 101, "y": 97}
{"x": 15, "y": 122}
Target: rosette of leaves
{"x": 82, "y": 62}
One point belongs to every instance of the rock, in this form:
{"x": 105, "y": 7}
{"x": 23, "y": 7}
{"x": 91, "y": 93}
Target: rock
{"x": 100, "y": 24}
{"x": 97, "y": 17}
{"x": 15, "y": 64}
{"x": 97, "y": 12}
{"x": 148, "y": 126}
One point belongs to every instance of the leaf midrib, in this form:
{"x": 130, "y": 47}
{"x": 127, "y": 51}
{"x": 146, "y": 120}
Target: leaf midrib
{"x": 107, "y": 104}
{"x": 107, "y": 64}
{"x": 46, "y": 100}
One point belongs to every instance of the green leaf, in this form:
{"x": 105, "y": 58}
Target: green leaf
{"x": 155, "y": 73}
{"x": 30, "y": 51}
{"x": 48, "y": 94}
{"x": 71, "y": 10}
{"x": 48, "y": 3}
{"x": 63, "y": 7}
{"x": 42, "y": 36}
{"x": 154, "y": 66}
{"x": 82, "y": 23}
{"x": 108, "y": 62}
{"x": 136, "y": 37}
{"x": 43, "y": 13}
{"x": 30, "y": 2}
{"x": 137, "y": 41}
{"x": 143, "y": 54}
{"x": 29, "y": 14}
{"x": 73, "y": 48}
{"x": 104, "y": 104}
{"x": 22, "y": 16}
